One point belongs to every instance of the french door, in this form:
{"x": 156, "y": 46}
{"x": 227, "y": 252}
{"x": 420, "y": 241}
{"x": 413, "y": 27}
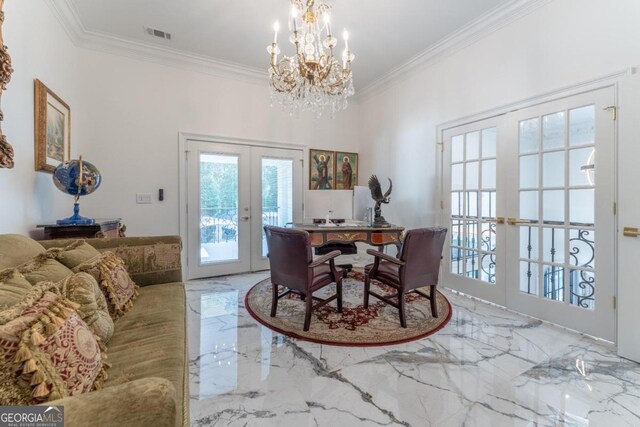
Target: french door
{"x": 532, "y": 224}
{"x": 233, "y": 191}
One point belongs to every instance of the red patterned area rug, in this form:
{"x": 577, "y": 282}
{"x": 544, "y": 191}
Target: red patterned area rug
{"x": 356, "y": 326}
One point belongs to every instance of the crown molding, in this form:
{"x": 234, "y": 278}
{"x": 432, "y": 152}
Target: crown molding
{"x": 479, "y": 28}
{"x": 69, "y": 18}
{"x": 483, "y": 26}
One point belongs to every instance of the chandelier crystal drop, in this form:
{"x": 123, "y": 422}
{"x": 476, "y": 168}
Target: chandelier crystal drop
{"x": 312, "y": 79}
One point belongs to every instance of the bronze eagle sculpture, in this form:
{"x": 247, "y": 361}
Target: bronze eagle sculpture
{"x": 376, "y": 194}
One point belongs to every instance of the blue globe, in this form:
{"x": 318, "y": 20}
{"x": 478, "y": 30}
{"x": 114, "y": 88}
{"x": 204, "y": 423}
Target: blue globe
{"x": 67, "y": 176}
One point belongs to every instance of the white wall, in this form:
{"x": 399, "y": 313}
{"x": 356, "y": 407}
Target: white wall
{"x": 40, "y": 49}
{"x": 560, "y": 44}
{"x": 134, "y": 111}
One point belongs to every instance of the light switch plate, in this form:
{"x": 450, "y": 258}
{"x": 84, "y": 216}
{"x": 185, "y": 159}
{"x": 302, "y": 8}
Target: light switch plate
{"x": 143, "y": 198}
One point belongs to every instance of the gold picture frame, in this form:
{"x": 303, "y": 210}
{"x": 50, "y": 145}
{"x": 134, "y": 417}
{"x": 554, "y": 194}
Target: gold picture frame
{"x": 321, "y": 169}
{"x": 346, "y": 170}
{"x": 52, "y": 129}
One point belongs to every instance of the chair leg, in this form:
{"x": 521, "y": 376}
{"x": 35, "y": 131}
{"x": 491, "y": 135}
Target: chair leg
{"x": 433, "y": 298}
{"x": 339, "y": 292}
{"x": 367, "y": 286}
{"x": 307, "y": 314}
{"x": 274, "y": 299}
{"x": 403, "y": 319}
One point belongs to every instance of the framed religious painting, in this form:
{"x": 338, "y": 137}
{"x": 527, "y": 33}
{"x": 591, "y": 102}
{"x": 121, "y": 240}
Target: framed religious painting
{"x": 346, "y": 170}
{"x": 321, "y": 169}
{"x": 52, "y": 129}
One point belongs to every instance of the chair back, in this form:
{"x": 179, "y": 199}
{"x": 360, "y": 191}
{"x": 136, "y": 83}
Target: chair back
{"x": 421, "y": 252}
{"x": 289, "y": 256}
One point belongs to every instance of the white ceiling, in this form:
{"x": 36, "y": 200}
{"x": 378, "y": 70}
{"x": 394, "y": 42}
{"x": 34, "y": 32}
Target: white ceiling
{"x": 385, "y": 34}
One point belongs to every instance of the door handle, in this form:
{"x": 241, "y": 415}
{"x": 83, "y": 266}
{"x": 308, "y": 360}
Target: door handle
{"x": 514, "y": 221}
{"x": 631, "y": 232}
{"x": 245, "y": 218}
{"x": 498, "y": 220}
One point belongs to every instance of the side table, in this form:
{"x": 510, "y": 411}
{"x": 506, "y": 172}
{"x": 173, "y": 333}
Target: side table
{"x": 109, "y": 227}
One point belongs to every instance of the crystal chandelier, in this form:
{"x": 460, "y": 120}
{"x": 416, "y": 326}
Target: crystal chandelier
{"x": 312, "y": 79}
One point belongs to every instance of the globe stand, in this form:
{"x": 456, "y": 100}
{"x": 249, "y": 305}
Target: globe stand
{"x": 76, "y": 219}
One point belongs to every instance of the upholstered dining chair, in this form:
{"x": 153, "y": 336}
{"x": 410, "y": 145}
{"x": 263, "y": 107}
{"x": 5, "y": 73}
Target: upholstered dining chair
{"x": 418, "y": 266}
{"x": 293, "y": 267}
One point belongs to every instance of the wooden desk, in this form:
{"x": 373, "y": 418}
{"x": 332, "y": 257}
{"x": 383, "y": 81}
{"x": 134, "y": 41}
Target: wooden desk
{"x": 375, "y": 236}
{"x": 101, "y": 228}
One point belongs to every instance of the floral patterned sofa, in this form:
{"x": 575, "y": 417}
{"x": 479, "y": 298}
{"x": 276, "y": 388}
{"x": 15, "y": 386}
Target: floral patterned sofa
{"x": 147, "y": 383}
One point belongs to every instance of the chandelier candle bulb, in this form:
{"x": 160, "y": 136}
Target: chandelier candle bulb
{"x": 276, "y": 28}
{"x": 345, "y": 36}
{"x": 294, "y": 18}
{"x": 327, "y": 21}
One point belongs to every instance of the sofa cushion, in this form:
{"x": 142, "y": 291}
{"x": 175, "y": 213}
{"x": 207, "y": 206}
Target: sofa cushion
{"x": 75, "y": 253}
{"x": 16, "y": 249}
{"x": 111, "y": 274}
{"x": 47, "y": 349}
{"x": 83, "y": 289}
{"x": 13, "y": 286}
{"x": 43, "y": 268}
{"x": 150, "y": 340}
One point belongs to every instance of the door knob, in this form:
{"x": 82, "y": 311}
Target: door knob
{"x": 631, "y": 232}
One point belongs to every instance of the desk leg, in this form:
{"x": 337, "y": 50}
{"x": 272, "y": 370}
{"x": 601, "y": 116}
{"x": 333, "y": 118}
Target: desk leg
{"x": 399, "y": 248}
{"x": 381, "y": 248}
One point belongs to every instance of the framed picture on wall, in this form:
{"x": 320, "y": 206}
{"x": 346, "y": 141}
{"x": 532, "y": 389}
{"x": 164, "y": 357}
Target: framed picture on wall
{"x": 321, "y": 169}
{"x": 346, "y": 170}
{"x": 52, "y": 129}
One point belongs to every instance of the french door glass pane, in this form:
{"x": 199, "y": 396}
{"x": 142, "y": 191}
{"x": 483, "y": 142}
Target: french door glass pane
{"x": 529, "y": 205}
{"x": 553, "y": 131}
{"x": 277, "y": 194}
{"x": 553, "y": 282}
{"x": 528, "y": 242}
{"x": 529, "y": 277}
{"x": 582, "y": 167}
{"x": 553, "y": 169}
{"x": 553, "y": 206}
{"x": 218, "y": 208}
{"x": 473, "y": 145}
{"x": 457, "y": 149}
{"x": 489, "y": 142}
{"x": 529, "y": 135}
{"x": 582, "y": 289}
{"x": 489, "y": 174}
{"x": 582, "y": 125}
{"x": 581, "y": 206}
{"x": 529, "y": 171}
{"x": 553, "y": 244}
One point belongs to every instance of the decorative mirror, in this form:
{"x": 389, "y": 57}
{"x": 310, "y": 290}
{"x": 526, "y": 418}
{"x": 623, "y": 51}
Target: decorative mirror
{"x": 6, "y": 150}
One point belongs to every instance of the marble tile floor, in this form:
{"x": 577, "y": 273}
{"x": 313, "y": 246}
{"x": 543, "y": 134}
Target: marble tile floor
{"x": 487, "y": 367}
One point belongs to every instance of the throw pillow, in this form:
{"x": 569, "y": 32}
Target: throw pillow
{"x": 44, "y": 268}
{"x": 47, "y": 351}
{"x": 111, "y": 274}
{"x": 75, "y": 253}
{"x": 13, "y": 286}
{"x": 83, "y": 289}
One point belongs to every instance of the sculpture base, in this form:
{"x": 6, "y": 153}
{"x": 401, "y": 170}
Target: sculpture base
{"x": 76, "y": 219}
{"x": 380, "y": 222}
